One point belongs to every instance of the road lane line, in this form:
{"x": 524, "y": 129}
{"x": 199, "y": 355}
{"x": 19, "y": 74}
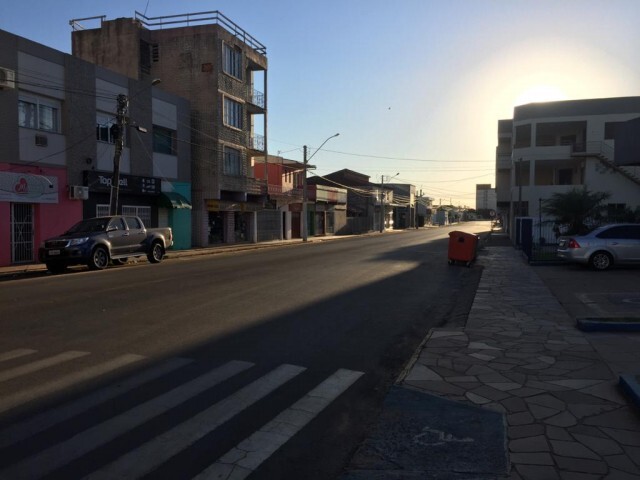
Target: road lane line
{"x": 45, "y": 420}
{"x": 242, "y": 460}
{"x": 152, "y": 454}
{"x": 20, "y": 352}
{"x": 60, "y": 454}
{"x": 39, "y": 365}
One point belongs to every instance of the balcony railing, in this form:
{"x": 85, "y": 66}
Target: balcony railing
{"x": 256, "y": 142}
{"x": 256, "y": 97}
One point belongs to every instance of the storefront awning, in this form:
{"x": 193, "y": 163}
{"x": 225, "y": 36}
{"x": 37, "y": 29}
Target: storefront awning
{"x": 173, "y": 200}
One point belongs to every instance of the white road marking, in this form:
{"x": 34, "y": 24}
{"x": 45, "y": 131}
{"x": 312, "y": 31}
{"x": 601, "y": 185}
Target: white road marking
{"x": 23, "y": 396}
{"x": 39, "y": 365}
{"x": 20, "y": 352}
{"x": 147, "y": 457}
{"x": 41, "y": 422}
{"x": 64, "y": 452}
{"x": 247, "y": 456}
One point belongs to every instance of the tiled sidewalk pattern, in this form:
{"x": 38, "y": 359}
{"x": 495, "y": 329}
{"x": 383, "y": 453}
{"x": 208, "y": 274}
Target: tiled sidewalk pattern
{"x": 521, "y": 354}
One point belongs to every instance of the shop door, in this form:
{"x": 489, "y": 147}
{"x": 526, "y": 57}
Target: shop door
{"x": 21, "y": 233}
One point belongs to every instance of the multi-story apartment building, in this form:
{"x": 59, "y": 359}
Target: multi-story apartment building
{"x": 222, "y": 70}
{"x": 57, "y": 148}
{"x": 557, "y": 146}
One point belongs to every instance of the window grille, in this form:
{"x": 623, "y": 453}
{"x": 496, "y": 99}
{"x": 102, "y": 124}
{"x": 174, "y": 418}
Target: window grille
{"x": 21, "y": 232}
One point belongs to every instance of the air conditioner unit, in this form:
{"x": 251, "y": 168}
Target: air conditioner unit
{"x": 78, "y": 192}
{"x": 7, "y": 78}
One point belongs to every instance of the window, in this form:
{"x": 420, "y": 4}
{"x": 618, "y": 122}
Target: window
{"x": 232, "y": 113}
{"x": 136, "y": 211}
{"x": 104, "y": 130}
{"x": 523, "y": 136}
{"x": 39, "y": 113}
{"x": 232, "y": 61}
{"x": 133, "y": 223}
{"x": 164, "y": 140}
{"x": 232, "y": 161}
{"x": 610, "y": 130}
{"x": 116, "y": 224}
{"x": 565, "y": 176}
{"x": 102, "y": 210}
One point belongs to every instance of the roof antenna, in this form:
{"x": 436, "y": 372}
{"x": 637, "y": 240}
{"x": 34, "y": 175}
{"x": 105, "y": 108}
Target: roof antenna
{"x": 145, "y": 9}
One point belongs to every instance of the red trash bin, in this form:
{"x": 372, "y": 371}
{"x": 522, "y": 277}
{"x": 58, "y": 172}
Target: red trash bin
{"x": 462, "y": 247}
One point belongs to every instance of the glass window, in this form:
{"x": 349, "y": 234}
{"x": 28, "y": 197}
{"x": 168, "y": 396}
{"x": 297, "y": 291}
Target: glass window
{"x": 232, "y": 61}
{"x": 232, "y": 113}
{"x": 117, "y": 223}
{"x": 104, "y": 132}
{"x": 164, "y": 140}
{"x": 232, "y": 161}
{"x": 134, "y": 223}
{"x": 41, "y": 114}
{"x": 144, "y": 213}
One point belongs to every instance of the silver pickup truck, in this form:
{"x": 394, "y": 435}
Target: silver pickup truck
{"x": 98, "y": 241}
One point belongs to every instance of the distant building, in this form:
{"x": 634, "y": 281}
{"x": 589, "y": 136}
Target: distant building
{"x": 554, "y": 147}
{"x": 486, "y": 200}
{"x": 222, "y": 69}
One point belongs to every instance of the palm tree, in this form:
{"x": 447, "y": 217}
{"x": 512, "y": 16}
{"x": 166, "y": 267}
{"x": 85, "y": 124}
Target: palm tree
{"x": 575, "y": 207}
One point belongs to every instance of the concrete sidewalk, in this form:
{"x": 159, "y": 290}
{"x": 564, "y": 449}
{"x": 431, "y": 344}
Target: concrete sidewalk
{"x": 522, "y": 356}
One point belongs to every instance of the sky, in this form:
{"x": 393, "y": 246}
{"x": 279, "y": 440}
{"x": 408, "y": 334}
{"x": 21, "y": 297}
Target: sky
{"x": 415, "y": 88}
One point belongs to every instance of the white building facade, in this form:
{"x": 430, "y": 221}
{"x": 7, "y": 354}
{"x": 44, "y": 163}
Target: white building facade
{"x": 555, "y": 147}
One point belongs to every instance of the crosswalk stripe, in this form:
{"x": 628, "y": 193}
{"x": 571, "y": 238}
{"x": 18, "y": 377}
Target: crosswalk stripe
{"x": 245, "y": 457}
{"x": 23, "y": 396}
{"x": 20, "y": 352}
{"x": 38, "y": 423}
{"x": 64, "y": 452}
{"x": 147, "y": 457}
{"x": 39, "y": 365}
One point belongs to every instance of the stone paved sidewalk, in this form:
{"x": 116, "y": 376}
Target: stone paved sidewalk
{"x": 520, "y": 354}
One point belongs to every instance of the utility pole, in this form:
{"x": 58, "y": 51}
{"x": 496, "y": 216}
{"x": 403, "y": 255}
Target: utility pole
{"x": 305, "y": 195}
{"x": 118, "y": 132}
{"x": 382, "y": 204}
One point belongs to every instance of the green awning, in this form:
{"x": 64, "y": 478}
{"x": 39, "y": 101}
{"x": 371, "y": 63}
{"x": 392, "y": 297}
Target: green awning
{"x": 173, "y": 200}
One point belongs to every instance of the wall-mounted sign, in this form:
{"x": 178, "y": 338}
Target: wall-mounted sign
{"x": 131, "y": 184}
{"x": 28, "y": 188}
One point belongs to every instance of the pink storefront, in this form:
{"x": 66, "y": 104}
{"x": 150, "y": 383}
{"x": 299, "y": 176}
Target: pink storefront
{"x": 34, "y": 205}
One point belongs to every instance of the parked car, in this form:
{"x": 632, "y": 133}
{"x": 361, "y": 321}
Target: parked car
{"x": 97, "y": 241}
{"x": 603, "y": 247}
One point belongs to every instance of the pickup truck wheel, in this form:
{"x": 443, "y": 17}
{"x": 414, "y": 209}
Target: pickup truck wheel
{"x": 156, "y": 253}
{"x": 54, "y": 267}
{"x": 99, "y": 259}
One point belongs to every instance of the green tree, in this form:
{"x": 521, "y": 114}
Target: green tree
{"x": 575, "y": 207}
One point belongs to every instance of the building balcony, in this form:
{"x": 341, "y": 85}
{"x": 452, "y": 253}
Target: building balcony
{"x": 257, "y": 102}
{"x": 256, "y": 142}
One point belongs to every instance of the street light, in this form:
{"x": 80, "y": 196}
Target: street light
{"x": 382, "y": 200}
{"x": 305, "y": 228}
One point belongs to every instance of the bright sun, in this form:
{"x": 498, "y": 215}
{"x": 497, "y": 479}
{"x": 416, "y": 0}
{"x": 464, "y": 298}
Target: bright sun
{"x": 541, "y": 93}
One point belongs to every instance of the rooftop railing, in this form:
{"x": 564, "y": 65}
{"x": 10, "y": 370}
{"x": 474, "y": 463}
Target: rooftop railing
{"x": 199, "y": 18}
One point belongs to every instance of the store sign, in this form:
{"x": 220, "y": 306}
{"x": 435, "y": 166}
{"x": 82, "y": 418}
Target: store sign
{"x": 28, "y": 188}
{"x": 131, "y": 184}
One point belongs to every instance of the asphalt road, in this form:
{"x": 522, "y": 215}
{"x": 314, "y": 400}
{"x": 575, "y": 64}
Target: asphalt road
{"x": 288, "y": 317}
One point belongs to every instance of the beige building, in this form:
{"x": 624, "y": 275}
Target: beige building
{"x": 209, "y": 60}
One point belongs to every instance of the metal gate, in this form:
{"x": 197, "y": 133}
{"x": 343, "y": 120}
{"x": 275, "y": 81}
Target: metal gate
{"x": 21, "y": 233}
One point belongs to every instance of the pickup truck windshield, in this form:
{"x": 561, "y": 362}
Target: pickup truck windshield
{"x": 91, "y": 225}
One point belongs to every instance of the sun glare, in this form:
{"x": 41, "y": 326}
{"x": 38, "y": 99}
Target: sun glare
{"x": 540, "y": 93}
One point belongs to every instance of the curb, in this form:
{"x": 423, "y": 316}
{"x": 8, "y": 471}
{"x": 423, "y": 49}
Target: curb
{"x": 608, "y": 324}
{"x": 630, "y": 387}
